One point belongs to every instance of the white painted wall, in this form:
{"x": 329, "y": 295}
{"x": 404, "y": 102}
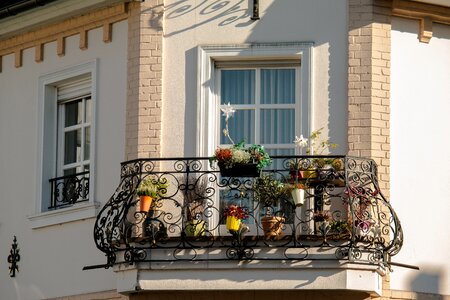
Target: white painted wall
{"x": 420, "y": 155}
{"x": 52, "y": 257}
{"x": 194, "y": 22}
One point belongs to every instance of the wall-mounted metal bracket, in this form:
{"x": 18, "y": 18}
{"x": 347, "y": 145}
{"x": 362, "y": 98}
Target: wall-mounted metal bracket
{"x": 13, "y": 258}
{"x": 255, "y": 14}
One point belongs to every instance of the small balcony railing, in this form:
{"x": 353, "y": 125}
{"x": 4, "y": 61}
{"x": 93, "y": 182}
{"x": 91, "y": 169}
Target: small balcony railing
{"x": 68, "y": 190}
{"x": 344, "y": 215}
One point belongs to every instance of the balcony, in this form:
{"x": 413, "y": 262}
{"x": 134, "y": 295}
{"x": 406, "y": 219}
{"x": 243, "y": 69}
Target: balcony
{"x": 344, "y": 223}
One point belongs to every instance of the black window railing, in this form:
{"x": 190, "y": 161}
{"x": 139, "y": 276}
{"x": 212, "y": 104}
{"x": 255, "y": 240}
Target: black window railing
{"x": 68, "y": 190}
{"x": 343, "y": 216}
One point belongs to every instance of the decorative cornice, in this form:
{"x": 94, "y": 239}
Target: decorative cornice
{"x": 427, "y": 14}
{"x": 60, "y": 31}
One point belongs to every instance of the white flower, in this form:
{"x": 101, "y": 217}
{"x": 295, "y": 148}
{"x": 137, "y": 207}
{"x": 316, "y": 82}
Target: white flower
{"x": 300, "y": 141}
{"x": 227, "y": 110}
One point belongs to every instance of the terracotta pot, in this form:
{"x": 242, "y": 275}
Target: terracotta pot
{"x": 145, "y": 203}
{"x": 298, "y": 196}
{"x": 272, "y": 226}
{"x": 233, "y": 223}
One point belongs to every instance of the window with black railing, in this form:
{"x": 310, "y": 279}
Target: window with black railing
{"x": 68, "y": 190}
{"x": 305, "y": 208}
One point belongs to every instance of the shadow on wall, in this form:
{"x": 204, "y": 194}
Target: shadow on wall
{"x": 226, "y": 11}
{"x": 329, "y": 67}
{"x": 427, "y": 282}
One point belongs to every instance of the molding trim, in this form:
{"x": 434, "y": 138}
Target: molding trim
{"x": 427, "y": 14}
{"x": 59, "y": 31}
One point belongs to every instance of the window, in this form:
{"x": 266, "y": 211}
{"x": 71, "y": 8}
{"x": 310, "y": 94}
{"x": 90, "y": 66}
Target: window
{"x": 267, "y": 84}
{"x": 266, "y": 103}
{"x": 66, "y": 136}
{"x": 73, "y": 143}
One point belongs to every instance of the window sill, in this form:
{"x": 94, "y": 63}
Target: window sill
{"x": 66, "y": 215}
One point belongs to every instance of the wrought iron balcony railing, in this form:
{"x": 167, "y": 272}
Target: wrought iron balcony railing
{"x": 68, "y": 190}
{"x": 344, "y": 216}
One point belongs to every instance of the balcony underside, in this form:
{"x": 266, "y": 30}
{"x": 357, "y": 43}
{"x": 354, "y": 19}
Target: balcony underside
{"x": 253, "y": 275}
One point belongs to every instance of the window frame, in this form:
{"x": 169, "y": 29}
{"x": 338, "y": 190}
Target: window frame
{"x": 47, "y": 131}
{"x": 258, "y": 106}
{"x": 208, "y": 105}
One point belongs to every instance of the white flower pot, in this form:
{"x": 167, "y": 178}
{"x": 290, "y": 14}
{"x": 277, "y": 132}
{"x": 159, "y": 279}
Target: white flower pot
{"x": 298, "y": 195}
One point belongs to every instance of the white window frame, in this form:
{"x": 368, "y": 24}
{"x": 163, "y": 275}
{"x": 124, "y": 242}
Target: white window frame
{"x": 47, "y": 151}
{"x": 258, "y": 106}
{"x": 208, "y": 105}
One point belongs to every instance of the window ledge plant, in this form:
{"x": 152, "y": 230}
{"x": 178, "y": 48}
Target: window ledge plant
{"x": 250, "y": 159}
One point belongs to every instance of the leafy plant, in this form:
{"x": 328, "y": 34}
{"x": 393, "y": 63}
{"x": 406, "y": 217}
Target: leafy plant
{"x": 235, "y": 211}
{"x": 153, "y": 187}
{"x": 239, "y": 154}
{"x": 268, "y": 190}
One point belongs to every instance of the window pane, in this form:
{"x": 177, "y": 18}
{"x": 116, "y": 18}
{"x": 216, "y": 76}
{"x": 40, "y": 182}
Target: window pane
{"x": 73, "y": 113}
{"x": 278, "y": 86}
{"x": 87, "y": 143}
{"x": 238, "y": 86}
{"x": 70, "y": 171}
{"x": 277, "y": 126}
{"x": 241, "y": 127}
{"x": 88, "y": 110}
{"x": 72, "y": 146}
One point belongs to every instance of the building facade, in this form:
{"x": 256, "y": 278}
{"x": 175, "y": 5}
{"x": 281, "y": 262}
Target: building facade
{"x": 87, "y": 85}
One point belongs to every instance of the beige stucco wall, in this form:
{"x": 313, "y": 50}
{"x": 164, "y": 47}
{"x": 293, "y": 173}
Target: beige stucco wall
{"x": 193, "y": 23}
{"x": 52, "y": 257}
{"x": 420, "y": 106}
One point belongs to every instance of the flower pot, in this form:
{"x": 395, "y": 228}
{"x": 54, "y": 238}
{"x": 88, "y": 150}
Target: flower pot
{"x": 247, "y": 170}
{"x": 233, "y": 223}
{"x": 298, "y": 196}
{"x": 195, "y": 228}
{"x": 272, "y": 226}
{"x": 309, "y": 174}
{"x": 145, "y": 202}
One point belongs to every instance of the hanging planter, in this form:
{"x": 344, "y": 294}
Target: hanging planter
{"x": 298, "y": 196}
{"x": 145, "y": 202}
{"x": 241, "y": 170}
{"x": 233, "y": 223}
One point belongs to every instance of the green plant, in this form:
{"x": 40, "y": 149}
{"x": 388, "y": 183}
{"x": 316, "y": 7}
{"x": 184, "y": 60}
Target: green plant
{"x": 268, "y": 190}
{"x": 339, "y": 226}
{"x": 153, "y": 187}
{"x": 240, "y": 154}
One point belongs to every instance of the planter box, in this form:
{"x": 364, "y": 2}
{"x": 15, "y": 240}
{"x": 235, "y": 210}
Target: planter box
{"x": 247, "y": 170}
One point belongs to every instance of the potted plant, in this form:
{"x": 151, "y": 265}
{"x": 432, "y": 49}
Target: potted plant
{"x": 309, "y": 168}
{"x": 268, "y": 191}
{"x": 239, "y": 160}
{"x": 297, "y": 191}
{"x": 234, "y": 214}
{"x": 151, "y": 188}
{"x": 196, "y": 194}
{"x": 321, "y": 221}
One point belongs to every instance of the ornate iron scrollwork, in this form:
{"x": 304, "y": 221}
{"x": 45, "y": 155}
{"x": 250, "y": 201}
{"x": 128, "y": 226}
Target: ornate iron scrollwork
{"x": 344, "y": 215}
